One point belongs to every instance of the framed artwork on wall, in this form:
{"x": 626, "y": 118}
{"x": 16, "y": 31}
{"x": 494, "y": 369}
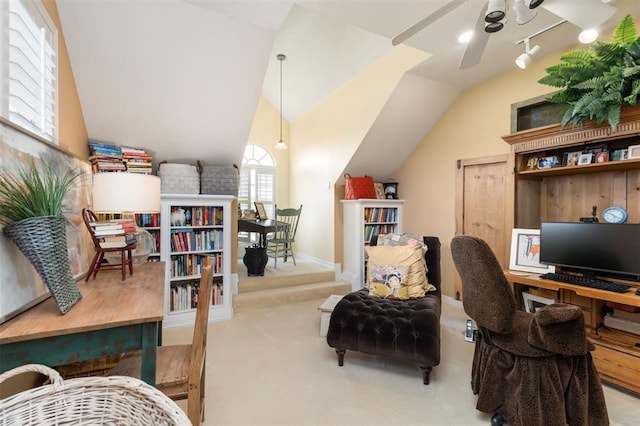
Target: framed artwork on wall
{"x": 525, "y": 252}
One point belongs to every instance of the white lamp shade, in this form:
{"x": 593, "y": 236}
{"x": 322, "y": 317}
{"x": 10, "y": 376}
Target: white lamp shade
{"x": 125, "y": 192}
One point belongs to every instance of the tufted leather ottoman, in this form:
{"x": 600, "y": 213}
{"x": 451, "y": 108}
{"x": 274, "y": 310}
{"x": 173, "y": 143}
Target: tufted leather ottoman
{"x": 405, "y": 330}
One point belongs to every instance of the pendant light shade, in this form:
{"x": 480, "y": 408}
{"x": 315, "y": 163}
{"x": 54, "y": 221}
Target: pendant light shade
{"x": 281, "y": 144}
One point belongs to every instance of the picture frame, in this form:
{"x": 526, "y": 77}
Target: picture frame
{"x": 585, "y": 159}
{"x": 525, "y": 252}
{"x": 633, "y": 152}
{"x": 602, "y": 157}
{"x": 619, "y": 154}
{"x": 533, "y": 303}
{"x": 261, "y": 211}
{"x": 571, "y": 158}
{"x": 379, "y": 187}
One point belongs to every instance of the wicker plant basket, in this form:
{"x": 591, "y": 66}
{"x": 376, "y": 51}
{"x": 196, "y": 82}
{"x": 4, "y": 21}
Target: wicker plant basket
{"x": 44, "y": 242}
{"x": 115, "y": 400}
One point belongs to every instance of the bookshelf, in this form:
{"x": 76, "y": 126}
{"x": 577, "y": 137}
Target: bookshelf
{"x": 195, "y": 230}
{"x": 364, "y": 219}
{"x": 150, "y": 222}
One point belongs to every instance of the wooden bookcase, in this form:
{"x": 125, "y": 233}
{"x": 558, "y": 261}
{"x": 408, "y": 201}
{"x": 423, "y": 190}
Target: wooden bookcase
{"x": 363, "y": 219}
{"x": 205, "y": 236}
{"x": 150, "y": 222}
{"x": 567, "y": 193}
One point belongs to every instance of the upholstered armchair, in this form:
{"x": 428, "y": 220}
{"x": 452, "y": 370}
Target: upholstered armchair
{"x": 406, "y": 330}
{"x": 528, "y": 368}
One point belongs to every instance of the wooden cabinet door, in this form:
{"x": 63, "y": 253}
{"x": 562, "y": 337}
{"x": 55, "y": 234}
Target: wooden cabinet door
{"x": 481, "y": 205}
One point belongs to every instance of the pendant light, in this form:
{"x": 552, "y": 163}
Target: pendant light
{"x": 281, "y": 144}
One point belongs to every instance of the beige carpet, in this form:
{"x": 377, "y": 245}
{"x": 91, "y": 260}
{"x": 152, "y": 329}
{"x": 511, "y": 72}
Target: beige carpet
{"x": 270, "y": 367}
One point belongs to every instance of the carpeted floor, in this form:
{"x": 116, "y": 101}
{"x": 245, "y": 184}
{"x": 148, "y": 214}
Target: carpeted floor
{"x": 270, "y": 367}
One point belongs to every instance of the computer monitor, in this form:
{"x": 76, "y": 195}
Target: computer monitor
{"x": 603, "y": 249}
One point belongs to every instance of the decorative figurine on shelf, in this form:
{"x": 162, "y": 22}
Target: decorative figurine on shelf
{"x": 391, "y": 190}
{"x": 178, "y": 217}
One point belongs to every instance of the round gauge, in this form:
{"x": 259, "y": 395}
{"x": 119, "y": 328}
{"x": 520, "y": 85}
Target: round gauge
{"x": 614, "y": 215}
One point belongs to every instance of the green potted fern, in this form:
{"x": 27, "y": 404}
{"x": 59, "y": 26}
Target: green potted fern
{"x": 31, "y": 202}
{"x": 596, "y": 83}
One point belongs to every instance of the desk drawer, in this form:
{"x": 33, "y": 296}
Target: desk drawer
{"x": 617, "y": 367}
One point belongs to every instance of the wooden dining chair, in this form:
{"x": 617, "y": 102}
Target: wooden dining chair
{"x": 280, "y": 243}
{"x": 180, "y": 369}
{"x": 126, "y": 259}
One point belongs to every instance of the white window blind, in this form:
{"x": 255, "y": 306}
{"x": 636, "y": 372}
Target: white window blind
{"x": 257, "y": 181}
{"x": 29, "y": 68}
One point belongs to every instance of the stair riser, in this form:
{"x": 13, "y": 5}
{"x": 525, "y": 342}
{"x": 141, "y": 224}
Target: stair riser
{"x": 251, "y": 284}
{"x": 266, "y": 299}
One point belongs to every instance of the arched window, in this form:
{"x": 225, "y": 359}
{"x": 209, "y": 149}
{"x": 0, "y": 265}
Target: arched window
{"x": 257, "y": 179}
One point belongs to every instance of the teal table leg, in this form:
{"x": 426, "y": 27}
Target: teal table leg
{"x": 149, "y": 349}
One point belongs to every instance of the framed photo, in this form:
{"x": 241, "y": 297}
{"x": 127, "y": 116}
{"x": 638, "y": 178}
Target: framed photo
{"x": 633, "y": 151}
{"x": 602, "y": 157}
{"x": 379, "y": 190}
{"x": 532, "y": 302}
{"x": 571, "y": 158}
{"x": 262, "y": 213}
{"x": 585, "y": 158}
{"x": 619, "y": 154}
{"x": 525, "y": 252}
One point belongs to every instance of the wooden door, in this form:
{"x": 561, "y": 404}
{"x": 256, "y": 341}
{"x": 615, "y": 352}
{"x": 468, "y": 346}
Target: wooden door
{"x": 481, "y": 205}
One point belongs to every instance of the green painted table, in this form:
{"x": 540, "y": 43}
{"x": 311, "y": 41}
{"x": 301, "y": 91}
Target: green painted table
{"x": 113, "y": 317}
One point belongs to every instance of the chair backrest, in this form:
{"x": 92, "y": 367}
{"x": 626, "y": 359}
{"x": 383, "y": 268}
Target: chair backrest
{"x": 487, "y": 295}
{"x": 290, "y": 217}
{"x": 199, "y": 341}
{"x": 88, "y": 216}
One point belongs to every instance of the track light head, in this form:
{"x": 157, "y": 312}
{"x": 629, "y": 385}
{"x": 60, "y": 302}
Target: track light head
{"x": 525, "y": 59}
{"x": 532, "y": 4}
{"x": 494, "y": 27}
{"x": 496, "y": 10}
{"x": 522, "y": 12}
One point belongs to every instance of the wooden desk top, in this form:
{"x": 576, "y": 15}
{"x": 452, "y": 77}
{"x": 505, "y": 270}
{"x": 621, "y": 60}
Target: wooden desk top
{"x": 106, "y": 302}
{"x": 255, "y": 225}
{"x": 628, "y": 298}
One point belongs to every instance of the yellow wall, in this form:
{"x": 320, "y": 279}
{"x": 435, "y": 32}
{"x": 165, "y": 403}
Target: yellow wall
{"x": 72, "y": 133}
{"x": 471, "y": 128}
{"x": 324, "y": 139}
{"x": 265, "y": 132}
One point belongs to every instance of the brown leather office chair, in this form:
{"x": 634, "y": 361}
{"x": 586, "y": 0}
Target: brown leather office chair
{"x": 180, "y": 369}
{"x": 528, "y": 368}
{"x": 126, "y": 259}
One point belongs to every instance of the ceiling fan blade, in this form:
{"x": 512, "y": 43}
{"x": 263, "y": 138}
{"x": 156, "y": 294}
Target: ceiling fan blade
{"x": 475, "y": 48}
{"x": 416, "y": 28}
{"x": 590, "y": 13}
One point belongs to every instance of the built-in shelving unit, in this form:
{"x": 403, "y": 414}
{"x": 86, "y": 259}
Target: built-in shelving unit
{"x": 195, "y": 230}
{"x": 364, "y": 219}
{"x": 566, "y": 193}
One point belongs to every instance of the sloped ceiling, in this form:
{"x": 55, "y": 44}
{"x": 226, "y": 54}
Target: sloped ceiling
{"x": 183, "y": 77}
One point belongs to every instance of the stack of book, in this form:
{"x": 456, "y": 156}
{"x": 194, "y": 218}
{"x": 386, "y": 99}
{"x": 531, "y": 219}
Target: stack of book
{"x": 105, "y": 157}
{"x": 137, "y": 160}
{"x": 114, "y": 233}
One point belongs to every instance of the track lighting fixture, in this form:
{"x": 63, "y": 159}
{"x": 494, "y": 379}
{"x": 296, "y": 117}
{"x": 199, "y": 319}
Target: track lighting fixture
{"x": 522, "y": 12}
{"x": 496, "y": 10}
{"x": 525, "y": 59}
{"x": 588, "y": 36}
{"x": 532, "y": 4}
{"x": 494, "y": 27}
{"x": 281, "y": 144}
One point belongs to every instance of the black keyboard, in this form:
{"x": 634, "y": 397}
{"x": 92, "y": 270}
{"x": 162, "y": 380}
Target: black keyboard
{"x": 586, "y": 282}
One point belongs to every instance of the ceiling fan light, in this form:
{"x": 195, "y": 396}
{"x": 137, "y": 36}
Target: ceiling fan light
{"x": 532, "y": 4}
{"x": 523, "y": 13}
{"x": 588, "y": 36}
{"x": 495, "y": 10}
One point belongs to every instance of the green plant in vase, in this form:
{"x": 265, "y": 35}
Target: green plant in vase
{"x": 31, "y": 202}
{"x": 596, "y": 83}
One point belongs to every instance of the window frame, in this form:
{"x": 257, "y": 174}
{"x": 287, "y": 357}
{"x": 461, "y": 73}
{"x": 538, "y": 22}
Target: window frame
{"x": 43, "y": 117}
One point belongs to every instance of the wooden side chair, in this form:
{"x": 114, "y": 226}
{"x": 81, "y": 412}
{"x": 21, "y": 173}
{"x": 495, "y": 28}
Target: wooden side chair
{"x": 126, "y": 259}
{"x": 280, "y": 244}
{"x": 180, "y": 369}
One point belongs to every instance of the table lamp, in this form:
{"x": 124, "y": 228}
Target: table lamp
{"x": 127, "y": 194}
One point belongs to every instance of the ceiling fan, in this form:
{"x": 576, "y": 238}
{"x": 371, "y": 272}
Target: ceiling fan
{"x": 492, "y": 18}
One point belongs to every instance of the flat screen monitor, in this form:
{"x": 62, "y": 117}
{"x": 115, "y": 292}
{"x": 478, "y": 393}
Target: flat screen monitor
{"x": 610, "y": 250}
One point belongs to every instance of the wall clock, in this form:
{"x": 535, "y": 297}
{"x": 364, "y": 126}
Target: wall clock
{"x": 614, "y": 214}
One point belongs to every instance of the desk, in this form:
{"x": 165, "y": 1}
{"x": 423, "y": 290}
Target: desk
{"x": 113, "y": 316}
{"x": 262, "y": 227}
{"x": 617, "y": 354}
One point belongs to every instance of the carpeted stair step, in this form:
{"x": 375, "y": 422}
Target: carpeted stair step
{"x": 289, "y": 294}
{"x": 251, "y": 284}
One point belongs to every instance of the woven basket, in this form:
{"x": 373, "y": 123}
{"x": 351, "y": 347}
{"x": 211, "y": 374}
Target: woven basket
{"x": 44, "y": 242}
{"x": 219, "y": 180}
{"x": 179, "y": 178}
{"x": 115, "y": 400}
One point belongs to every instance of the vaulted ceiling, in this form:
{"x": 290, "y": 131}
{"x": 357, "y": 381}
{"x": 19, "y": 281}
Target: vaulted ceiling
{"x": 183, "y": 77}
